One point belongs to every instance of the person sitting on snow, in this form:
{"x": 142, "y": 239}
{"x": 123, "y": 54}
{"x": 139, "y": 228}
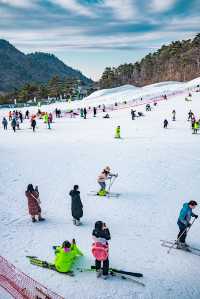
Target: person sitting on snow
{"x": 104, "y": 175}
{"x": 66, "y": 256}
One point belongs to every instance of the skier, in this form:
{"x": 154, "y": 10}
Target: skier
{"x": 45, "y": 118}
{"x": 14, "y": 124}
{"x": 94, "y": 111}
{"x": 174, "y": 115}
{"x": 10, "y": 115}
{"x": 184, "y": 222}
{"x": 5, "y": 123}
{"x": 48, "y": 122}
{"x": 85, "y": 113}
{"x": 100, "y": 248}
{"x": 118, "y": 132}
{"x": 76, "y": 205}
{"x": 33, "y": 123}
{"x": 165, "y": 123}
{"x": 50, "y": 117}
{"x": 66, "y": 256}
{"x": 21, "y": 117}
{"x": 104, "y": 175}
{"x": 33, "y": 203}
{"x": 133, "y": 114}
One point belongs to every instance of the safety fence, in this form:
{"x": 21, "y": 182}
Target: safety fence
{"x": 21, "y": 286}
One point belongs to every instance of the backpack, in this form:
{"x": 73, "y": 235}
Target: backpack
{"x": 100, "y": 251}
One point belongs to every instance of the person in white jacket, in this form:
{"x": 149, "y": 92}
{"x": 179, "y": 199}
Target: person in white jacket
{"x": 104, "y": 175}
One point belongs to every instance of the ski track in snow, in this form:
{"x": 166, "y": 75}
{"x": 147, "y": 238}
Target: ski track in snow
{"x": 158, "y": 171}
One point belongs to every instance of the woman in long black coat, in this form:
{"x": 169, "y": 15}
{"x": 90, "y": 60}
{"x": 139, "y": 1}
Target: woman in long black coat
{"x": 76, "y": 205}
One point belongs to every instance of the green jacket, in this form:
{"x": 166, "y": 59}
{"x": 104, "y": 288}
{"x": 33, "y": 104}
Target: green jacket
{"x": 64, "y": 259}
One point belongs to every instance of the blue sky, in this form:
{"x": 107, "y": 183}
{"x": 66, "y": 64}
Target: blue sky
{"x": 92, "y": 34}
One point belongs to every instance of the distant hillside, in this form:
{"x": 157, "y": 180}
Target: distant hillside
{"x": 179, "y": 61}
{"x": 17, "y": 69}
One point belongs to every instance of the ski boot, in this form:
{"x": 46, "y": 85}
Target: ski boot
{"x": 102, "y": 192}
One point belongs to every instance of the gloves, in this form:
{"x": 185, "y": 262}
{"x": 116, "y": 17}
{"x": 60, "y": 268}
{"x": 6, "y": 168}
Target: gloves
{"x": 189, "y": 224}
{"x": 196, "y": 216}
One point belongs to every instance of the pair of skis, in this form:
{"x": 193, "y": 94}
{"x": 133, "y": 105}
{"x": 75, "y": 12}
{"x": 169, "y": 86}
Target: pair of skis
{"x": 113, "y": 272}
{"x": 126, "y": 275}
{"x": 109, "y": 194}
{"x": 173, "y": 245}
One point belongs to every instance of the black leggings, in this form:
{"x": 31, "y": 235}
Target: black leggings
{"x": 105, "y": 266}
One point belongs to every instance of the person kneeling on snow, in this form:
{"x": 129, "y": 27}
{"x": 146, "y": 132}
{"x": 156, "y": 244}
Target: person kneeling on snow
{"x": 66, "y": 256}
{"x": 100, "y": 248}
{"x": 104, "y": 175}
{"x": 184, "y": 222}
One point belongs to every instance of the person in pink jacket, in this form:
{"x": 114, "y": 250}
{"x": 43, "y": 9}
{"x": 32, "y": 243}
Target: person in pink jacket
{"x": 104, "y": 175}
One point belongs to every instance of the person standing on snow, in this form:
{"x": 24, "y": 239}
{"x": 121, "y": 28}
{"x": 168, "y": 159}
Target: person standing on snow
{"x": 174, "y": 115}
{"x": 76, "y": 205}
{"x": 5, "y": 123}
{"x": 33, "y": 203}
{"x": 33, "y": 123}
{"x": 104, "y": 175}
{"x": 165, "y": 124}
{"x": 14, "y": 124}
{"x": 133, "y": 114}
{"x": 100, "y": 248}
{"x": 118, "y": 132}
{"x": 196, "y": 127}
{"x": 184, "y": 222}
{"x": 94, "y": 111}
{"x": 85, "y": 113}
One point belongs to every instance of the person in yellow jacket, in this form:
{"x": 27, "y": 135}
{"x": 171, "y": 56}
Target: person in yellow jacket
{"x": 196, "y": 127}
{"x": 66, "y": 256}
{"x": 118, "y": 132}
{"x": 45, "y": 118}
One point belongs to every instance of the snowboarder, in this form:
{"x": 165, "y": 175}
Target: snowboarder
{"x": 174, "y": 115}
{"x": 33, "y": 123}
{"x": 76, "y": 205}
{"x": 104, "y": 175}
{"x": 33, "y": 203}
{"x": 133, "y": 114}
{"x": 184, "y": 222}
{"x": 165, "y": 124}
{"x": 94, "y": 111}
{"x": 100, "y": 248}
{"x": 5, "y": 123}
{"x": 66, "y": 256}
{"x": 118, "y": 132}
{"x": 14, "y": 124}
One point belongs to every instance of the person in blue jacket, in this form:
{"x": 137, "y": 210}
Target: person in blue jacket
{"x": 184, "y": 222}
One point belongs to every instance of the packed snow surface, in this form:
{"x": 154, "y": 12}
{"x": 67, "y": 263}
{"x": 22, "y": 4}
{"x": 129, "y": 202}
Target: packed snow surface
{"x": 158, "y": 172}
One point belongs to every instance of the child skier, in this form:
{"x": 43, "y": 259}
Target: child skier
{"x": 104, "y": 175}
{"x": 76, "y": 205}
{"x": 100, "y": 248}
{"x": 66, "y": 256}
{"x": 118, "y": 132}
{"x": 184, "y": 222}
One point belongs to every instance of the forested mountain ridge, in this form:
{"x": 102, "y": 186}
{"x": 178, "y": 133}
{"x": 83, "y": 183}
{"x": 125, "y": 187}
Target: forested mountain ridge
{"x": 179, "y": 61}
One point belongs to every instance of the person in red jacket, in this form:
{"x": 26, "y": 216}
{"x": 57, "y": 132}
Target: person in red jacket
{"x": 33, "y": 203}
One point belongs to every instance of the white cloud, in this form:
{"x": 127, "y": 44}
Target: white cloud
{"x": 122, "y": 9}
{"x": 161, "y": 5}
{"x": 75, "y": 7}
{"x": 19, "y": 3}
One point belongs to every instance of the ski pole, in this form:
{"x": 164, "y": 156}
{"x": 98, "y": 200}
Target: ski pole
{"x": 177, "y": 240}
{"x": 111, "y": 183}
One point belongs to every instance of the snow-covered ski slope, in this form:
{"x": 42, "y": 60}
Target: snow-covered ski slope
{"x": 158, "y": 171}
